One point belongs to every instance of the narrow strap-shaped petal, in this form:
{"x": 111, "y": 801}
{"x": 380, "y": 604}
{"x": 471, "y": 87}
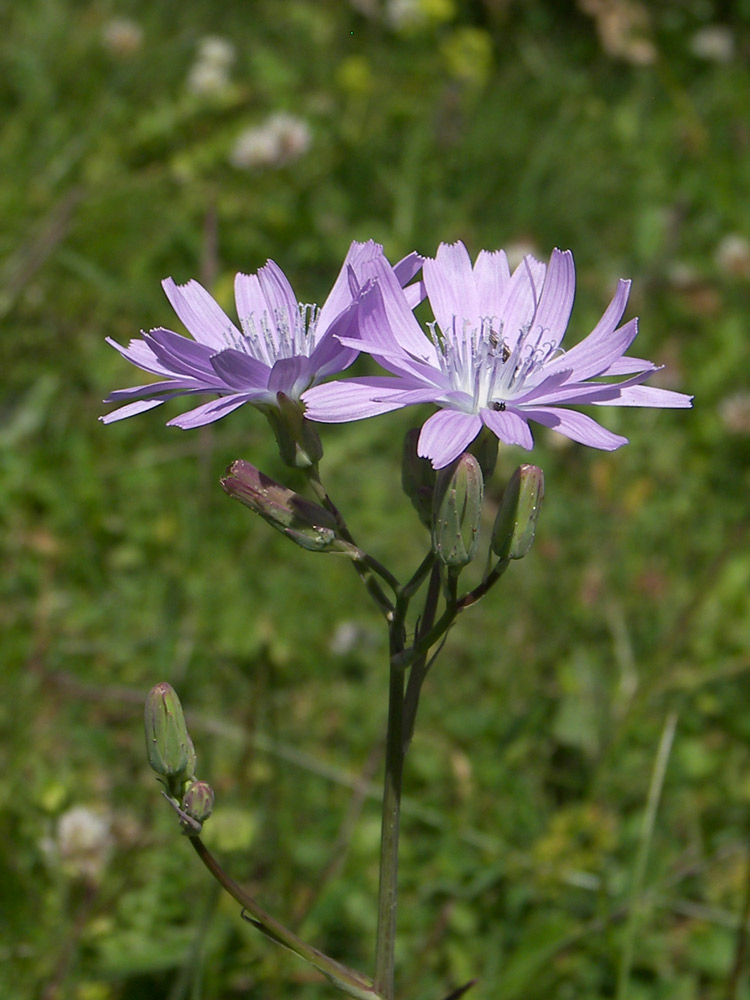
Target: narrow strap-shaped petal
{"x": 163, "y": 390}
{"x": 203, "y": 317}
{"x": 352, "y": 399}
{"x": 290, "y": 376}
{"x": 279, "y": 295}
{"x": 130, "y": 410}
{"x": 239, "y": 371}
{"x": 180, "y": 354}
{"x": 446, "y": 435}
{"x": 139, "y": 353}
{"x": 386, "y": 317}
{"x": 340, "y": 295}
{"x": 650, "y": 395}
{"x": 252, "y": 311}
{"x": 510, "y": 426}
{"x": 556, "y": 302}
{"x": 330, "y": 354}
{"x": 522, "y": 294}
{"x": 407, "y": 267}
{"x": 577, "y": 426}
{"x": 207, "y": 413}
{"x": 598, "y": 352}
{"x": 492, "y": 274}
{"x": 605, "y": 344}
{"x": 451, "y": 287}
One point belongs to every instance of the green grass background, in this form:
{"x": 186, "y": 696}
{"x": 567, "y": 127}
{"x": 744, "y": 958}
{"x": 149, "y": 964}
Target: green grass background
{"x": 495, "y": 122}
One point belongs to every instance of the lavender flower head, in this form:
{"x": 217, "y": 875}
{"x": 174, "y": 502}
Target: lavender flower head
{"x": 281, "y": 345}
{"x": 492, "y": 357}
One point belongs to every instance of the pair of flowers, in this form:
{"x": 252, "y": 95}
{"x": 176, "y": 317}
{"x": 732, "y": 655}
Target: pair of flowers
{"x": 492, "y": 356}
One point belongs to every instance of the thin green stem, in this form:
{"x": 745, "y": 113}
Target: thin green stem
{"x": 349, "y": 980}
{"x": 365, "y": 565}
{"x": 383, "y": 980}
{"x": 420, "y": 667}
{"x": 641, "y": 861}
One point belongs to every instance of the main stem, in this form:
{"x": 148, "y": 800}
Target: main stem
{"x": 383, "y": 981}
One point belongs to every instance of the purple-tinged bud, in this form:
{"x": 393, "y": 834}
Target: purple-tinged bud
{"x": 417, "y": 478}
{"x": 515, "y": 524}
{"x": 306, "y": 523}
{"x": 297, "y": 438}
{"x": 168, "y": 745}
{"x": 198, "y": 802}
{"x": 457, "y": 510}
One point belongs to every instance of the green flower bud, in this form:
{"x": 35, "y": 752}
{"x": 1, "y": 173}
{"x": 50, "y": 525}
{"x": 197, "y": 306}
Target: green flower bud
{"x": 457, "y": 509}
{"x": 515, "y": 524}
{"x": 298, "y": 441}
{"x": 198, "y": 801}
{"x": 168, "y": 745}
{"x": 417, "y": 478}
{"x": 306, "y": 523}
{"x": 484, "y": 448}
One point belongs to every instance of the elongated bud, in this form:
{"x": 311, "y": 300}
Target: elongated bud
{"x": 515, "y": 524}
{"x": 306, "y": 523}
{"x": 417, "y": 478}
{"x": 168, "y": 745}
{"x": 198, "y": 802}
{"x": 484, "y": 448}
{"x": 457, "y": 509}
{"x": 298, "y": 441}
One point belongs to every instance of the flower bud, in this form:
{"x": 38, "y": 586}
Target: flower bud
{"x": 457, "y": 509}
{"x": 417, "y": 478}
{"x": 168, "y": 745}
{"x": 484, "y": 448}
{"x": 306, "y": 523}
{"x": 198, "y": 801}
{"x": 515, "y": 524}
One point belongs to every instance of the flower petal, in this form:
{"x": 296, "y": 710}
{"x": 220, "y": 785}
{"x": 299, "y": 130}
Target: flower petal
{"x": 446, "y": 435}
{"x": 207, "y": 413}
{"x": 238, "y": 370}
{"x": 203, "y": 318}
{"x": 598, "y": 352}
{"x": 280, "y": 299}
{"x": 340, "y": 295}
{"x": 649, "y": 395}
{"x": 556, "y": 300}
{"x": 130, "y": 410}
{"x": 353, "y": 399}
{"x": 577, "y": 426}
{"x": 491, "y": 274}
{"x": 510, "y": 426}
{"x": 521, "y": 299}
{"x": 451, "y": 287}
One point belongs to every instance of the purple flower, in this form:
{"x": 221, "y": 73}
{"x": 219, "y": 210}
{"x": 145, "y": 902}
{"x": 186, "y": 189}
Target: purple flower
{"x": 281, "y": 346}
{"x": 492, "y": 357}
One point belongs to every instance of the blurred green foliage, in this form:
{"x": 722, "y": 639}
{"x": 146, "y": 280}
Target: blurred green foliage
{"x": 616, "y": 129}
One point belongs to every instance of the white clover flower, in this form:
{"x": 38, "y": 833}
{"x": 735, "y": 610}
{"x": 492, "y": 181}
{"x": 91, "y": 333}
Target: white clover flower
{"x": 714, "y": 43}
{"x": 732, "y": 255}
{"x": 83, "y": 842}
{"x": 281, "y": 139}
{"x": 121, "y": 36}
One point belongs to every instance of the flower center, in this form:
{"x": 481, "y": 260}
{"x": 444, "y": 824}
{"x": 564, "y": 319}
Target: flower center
{"x": 488, "y": 368}
{"x": 283, "y": 337}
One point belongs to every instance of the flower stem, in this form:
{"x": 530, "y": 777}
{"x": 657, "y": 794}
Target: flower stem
{"x": 349, "y": 980}
{"x": 383, "y": 980}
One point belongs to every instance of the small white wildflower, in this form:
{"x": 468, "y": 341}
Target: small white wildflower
{"x": 732, "y": 255}
{"x": 207, "y": 78}
{"x": 734, "y": 411}
{"x": 217, "y": 51}
{"x": 83, "y": 842}
{"x": 280, "y": 139}
{"x": 714, "y": 43}
{"x": 122, "y": 37}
